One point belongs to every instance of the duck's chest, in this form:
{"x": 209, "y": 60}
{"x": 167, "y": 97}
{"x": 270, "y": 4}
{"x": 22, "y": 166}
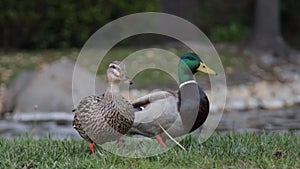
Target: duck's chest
{"x": 116, "y": 111}
{"x": 189, "y": 100}
{"x": 192, "y": 100}
{"x": 115, "y": 105}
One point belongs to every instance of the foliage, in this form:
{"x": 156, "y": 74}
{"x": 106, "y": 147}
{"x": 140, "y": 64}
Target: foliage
{"x": 290, "y": 21}
{"x": 60, "y": 24}
{"x": 64, "y": 24}
{"x": 233, "y": 33}
{"x": 218, "y": 17}
{"x": 222, "y": 21}
{"x": 250, "y": 150}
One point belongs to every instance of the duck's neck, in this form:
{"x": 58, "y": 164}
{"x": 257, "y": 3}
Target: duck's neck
{"x": 113, "y": 88}
{"x": 185, "y": 77}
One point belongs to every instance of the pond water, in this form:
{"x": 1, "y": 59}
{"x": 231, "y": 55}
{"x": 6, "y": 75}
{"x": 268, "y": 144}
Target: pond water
{"x": 286, "y": 120}
{"x": 280, "y": 121}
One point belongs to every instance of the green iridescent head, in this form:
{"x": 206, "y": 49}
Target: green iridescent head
{"x": 189, "y": 64}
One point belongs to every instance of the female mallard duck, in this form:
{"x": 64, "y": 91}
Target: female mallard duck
{"x": 104, "y": 118}
{"x": 178, "y": 112}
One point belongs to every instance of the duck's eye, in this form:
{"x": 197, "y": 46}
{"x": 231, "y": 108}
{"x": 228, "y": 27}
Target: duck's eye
{"x": 113, "y": 66}
{"x": 191, "y": 58}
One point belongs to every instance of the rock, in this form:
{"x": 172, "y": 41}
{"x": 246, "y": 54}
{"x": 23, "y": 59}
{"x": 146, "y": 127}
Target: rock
{"x": 288, "y": 72}
{"x": 268, "y": 60}
{"x": 240, "y": 78}
{"x": 296, "y": 91}
{"x": 237, "y": 97}
{"x": 261, "y": 90}
{"x": 295, "y": 87}
{"x": 243, "y": 91}
{"x": 284, "y": 92}
{"x": 297, "y": 99}
{"x": 252, "y": 103}
{"x": 218, "y": 102}
{"x": 236, "y": 105}
{"x": 2, "y": 89}
{"x": 271, "y": 103}
{"x": 50, "y": 90}
{"x": 13, "y": 91}
{"x": 267, "y": 95}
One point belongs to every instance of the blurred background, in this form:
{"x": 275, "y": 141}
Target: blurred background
{"x": 257, "y": 40}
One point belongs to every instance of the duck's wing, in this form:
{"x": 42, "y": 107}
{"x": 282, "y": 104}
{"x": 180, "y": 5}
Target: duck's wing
{"x": 160, "y": 108}
{"x": 151, "y": 98}
{"x": 83, "y": 114}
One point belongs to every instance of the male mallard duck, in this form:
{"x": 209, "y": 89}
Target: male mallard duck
{"x": 178, "y": 112}
{"x": 104, "y": 118}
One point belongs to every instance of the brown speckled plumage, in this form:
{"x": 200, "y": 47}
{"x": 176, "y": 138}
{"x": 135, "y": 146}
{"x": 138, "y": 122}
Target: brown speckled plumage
{"x": 104, "y": 118}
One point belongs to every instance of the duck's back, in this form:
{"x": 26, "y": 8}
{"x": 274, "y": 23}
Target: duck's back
{"x": 103, "y": 118}
{"x": 161, "y": 110}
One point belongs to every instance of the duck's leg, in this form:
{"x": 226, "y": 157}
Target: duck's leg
{"x": 92, "y": 147}
{"x": 161, "y": 141}
{"x": 118, "y": 142}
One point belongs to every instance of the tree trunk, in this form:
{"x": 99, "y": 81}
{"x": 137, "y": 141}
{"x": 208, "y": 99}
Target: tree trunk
{"x": 187, "y": 9}
{"x": 266, "y": 33}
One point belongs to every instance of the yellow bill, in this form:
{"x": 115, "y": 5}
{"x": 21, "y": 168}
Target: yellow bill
{"x": 205, "y": 69}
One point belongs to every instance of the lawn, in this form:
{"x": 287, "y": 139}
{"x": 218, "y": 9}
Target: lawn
{"x": 250, "y": 150}
{"x": 13, "y": 62}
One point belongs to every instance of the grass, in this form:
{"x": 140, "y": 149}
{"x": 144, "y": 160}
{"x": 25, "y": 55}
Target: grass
{"x": 12, "y": 63}
{"x": 250, "y": 150}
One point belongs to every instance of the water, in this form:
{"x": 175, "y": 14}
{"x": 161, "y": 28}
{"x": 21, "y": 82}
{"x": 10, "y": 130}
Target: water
{"x": 56, "y": 130}
{"x": 280, "y": 121}
{"x": 286, "y": 120}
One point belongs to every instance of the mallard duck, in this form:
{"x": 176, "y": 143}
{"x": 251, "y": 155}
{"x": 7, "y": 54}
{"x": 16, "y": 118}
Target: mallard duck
{"x": 179, "y": 112}
{"x": 104, "y": 118}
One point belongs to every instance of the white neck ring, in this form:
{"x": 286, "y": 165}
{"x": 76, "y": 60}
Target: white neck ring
{"x": 187, "y": 82}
